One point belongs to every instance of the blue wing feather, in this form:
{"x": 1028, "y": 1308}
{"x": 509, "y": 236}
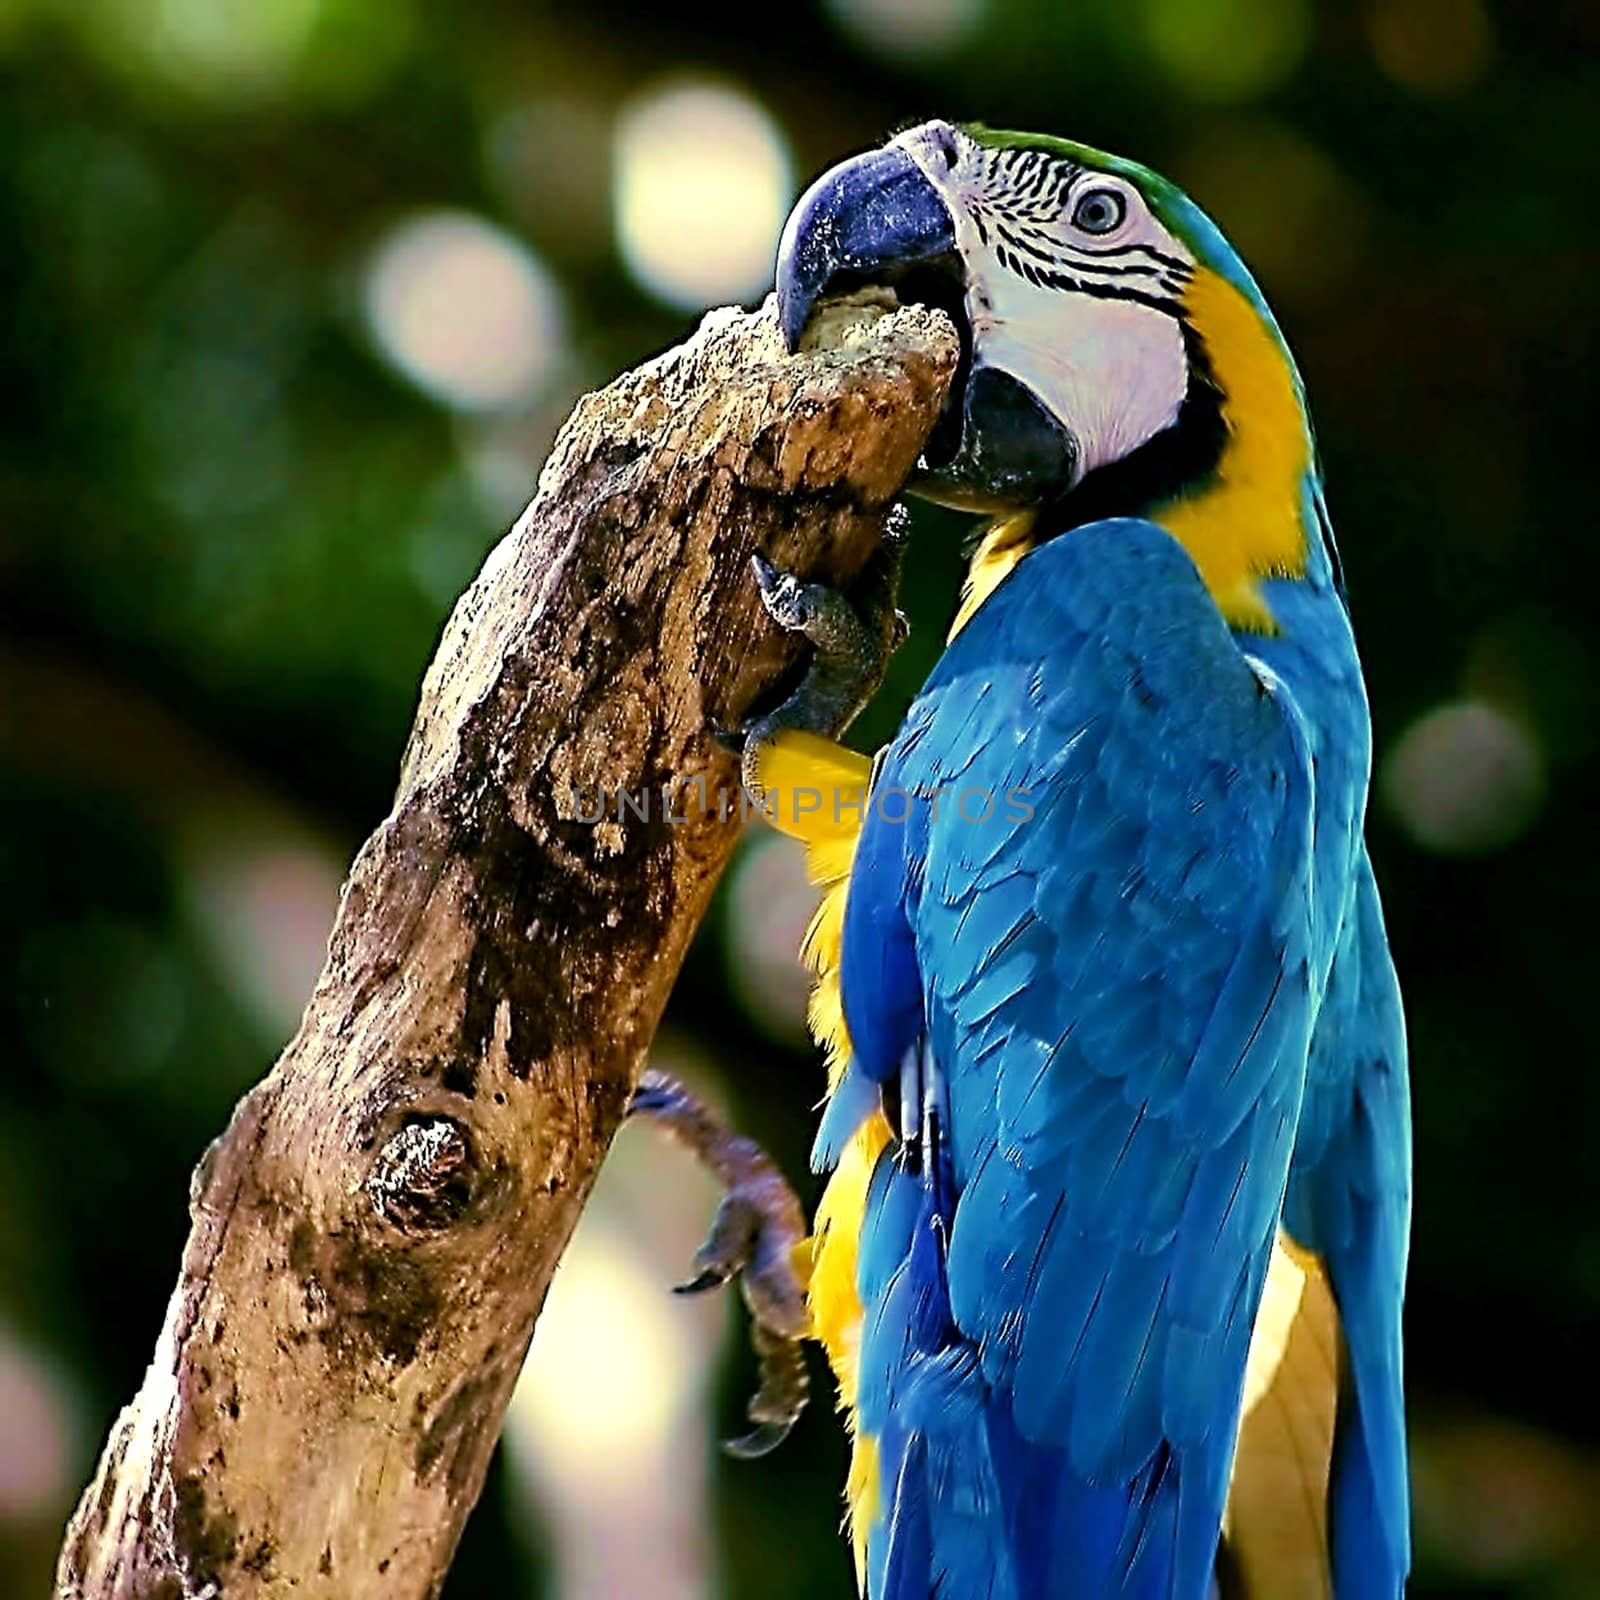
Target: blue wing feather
{"x": 1349, "y": 1199}
{"x": 1111, "y": 970}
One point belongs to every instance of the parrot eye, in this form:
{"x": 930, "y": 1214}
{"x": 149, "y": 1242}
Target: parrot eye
{"x": 1099, "y": 211}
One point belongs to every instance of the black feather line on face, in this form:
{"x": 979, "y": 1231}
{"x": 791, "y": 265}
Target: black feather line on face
{"x": 1017, "y": 181}
{"x": 1050, "y": 253}
{"x": 1037, "y": 240}
{"x": 1048, "y": 278}
{"x": 1035, "y": 184}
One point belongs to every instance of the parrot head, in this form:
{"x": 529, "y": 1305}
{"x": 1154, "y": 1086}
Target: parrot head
{"x": 1070, "y": 275}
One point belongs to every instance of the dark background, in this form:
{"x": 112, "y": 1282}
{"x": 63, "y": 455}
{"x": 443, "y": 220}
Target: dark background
{"x": 295, "y": 293}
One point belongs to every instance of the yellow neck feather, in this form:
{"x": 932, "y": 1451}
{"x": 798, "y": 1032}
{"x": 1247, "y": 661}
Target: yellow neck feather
{"x": 1244, "y": 523}
{"x": 1005, "y": 542}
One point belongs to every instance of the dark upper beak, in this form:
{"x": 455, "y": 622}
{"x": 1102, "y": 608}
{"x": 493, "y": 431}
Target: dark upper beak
{"x": 869, "y": 219}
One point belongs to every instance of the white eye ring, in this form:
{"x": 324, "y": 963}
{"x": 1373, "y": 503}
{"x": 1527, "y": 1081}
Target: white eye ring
{"x": 1099, "y": 211}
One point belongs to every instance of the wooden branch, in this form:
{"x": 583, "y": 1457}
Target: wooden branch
{"x": 374, "y": 1234}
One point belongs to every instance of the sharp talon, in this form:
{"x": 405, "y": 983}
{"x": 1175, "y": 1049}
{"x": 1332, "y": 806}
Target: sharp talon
{"x": 761, "y": 1441}
{"x": 711, "y": 1278}
{"x": 783, "y": 595}
{"x": 653, "y": 1094}
{"x": 769, "y": 580}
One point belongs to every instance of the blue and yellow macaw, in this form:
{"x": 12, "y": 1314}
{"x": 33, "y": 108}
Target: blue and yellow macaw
{"x": 1111, "y": 1261}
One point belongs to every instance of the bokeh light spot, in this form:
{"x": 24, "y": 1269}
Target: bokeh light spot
{"x": 1464, "y": 779}
{"x": 1499, "y": 1500}
{"x": 702, "y": 184}
{"x": 37, "y": 1423}
{"x": 608, "y": 1433}
{"x": 265, "y": 901}
{"x": 1432, "y": 46}
{"x": 587, "y": 1389}
{"x": 241, "y": 40}
{"x": 770, "y": 905}
{"x": 233, "y": 52}
{"x": 464, "y": 310}
{"x": 233, "y": 56}
{"x": 1227, "y": 50}
{"x": 909, "y": 30}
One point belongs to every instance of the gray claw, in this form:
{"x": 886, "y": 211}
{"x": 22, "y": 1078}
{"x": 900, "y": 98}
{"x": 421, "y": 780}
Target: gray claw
{"x": 760, "y": 1441}
{"x": 711, "y": 1278}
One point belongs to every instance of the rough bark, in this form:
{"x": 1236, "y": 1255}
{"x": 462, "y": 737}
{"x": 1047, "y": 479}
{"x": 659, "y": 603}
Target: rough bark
{"x": 373, "y": 1235}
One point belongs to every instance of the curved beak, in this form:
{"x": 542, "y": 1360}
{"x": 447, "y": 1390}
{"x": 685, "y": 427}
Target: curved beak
{"x": 878, "y": 219}
{"x": 871, "y": 219}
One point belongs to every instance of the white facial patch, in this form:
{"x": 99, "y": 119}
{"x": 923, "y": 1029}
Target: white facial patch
{"x": 1086, "y": 319}
{"x": 1114, "y": 371}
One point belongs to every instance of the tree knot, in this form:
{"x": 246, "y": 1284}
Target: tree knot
{"x": 421, "y": 1180}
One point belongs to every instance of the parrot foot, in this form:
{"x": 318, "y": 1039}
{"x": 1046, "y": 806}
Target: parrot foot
{"x": 754, "y": 1237}
{"x": 852, "y": 642}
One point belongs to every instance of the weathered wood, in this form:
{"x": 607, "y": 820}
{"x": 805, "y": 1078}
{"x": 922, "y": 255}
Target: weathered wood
{"x": 374, "y": 1233}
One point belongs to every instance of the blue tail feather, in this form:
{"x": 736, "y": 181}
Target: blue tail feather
{"x": 974, "y": 1510}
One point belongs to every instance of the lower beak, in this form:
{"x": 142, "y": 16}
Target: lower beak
{"x": 872, "y": 219}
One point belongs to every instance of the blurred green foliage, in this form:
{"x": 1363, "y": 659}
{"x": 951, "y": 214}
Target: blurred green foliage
{"x": 230, "y": 529}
